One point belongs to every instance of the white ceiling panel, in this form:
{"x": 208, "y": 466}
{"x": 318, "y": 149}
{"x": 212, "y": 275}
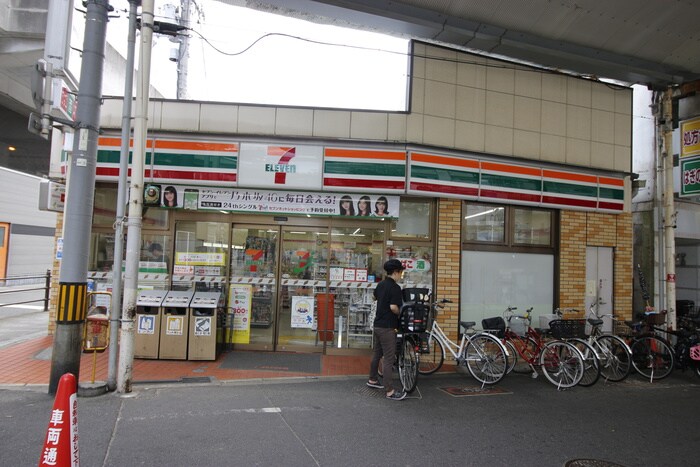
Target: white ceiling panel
{"x": 654, "y": 42}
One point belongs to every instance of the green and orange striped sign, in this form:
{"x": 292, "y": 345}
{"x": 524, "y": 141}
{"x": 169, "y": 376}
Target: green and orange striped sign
{"x": 470, "y": 178}
{"x": 357, "y": 170}
{"x": 171, "y": 161}
{"x": 449, "y": 176}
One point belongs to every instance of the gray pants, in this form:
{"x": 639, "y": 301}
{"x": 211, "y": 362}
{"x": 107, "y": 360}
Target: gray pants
{"x": 384, "y": 346}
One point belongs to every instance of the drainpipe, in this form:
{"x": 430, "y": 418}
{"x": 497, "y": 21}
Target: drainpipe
{"x": 134, "y": 221}
{"x": 669, "y": 208}
{"x": 115, "y": 311}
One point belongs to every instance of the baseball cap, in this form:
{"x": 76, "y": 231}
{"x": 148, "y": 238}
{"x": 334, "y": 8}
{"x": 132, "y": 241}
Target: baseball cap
{"x": 393, "y": 265}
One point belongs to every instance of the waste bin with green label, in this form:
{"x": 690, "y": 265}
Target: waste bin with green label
{"x": 148, "y": 311}
{"x": 174, "y": 322}
{"x": 204, "y": 328}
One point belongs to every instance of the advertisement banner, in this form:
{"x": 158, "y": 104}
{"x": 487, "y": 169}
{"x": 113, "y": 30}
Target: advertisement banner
{"x": 240, "y": 299}
{"x": 297, "y": 202}
{"x": 690, "y": 177}
{"x": 690, "y": 137}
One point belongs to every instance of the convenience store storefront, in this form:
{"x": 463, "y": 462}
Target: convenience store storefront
{"x": 296, "y": 258}
{"x": 297, "y": 267}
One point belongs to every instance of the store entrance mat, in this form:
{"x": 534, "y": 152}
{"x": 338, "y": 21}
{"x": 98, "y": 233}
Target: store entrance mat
{"x": 272, "y": 361}
{"x": 475, "y": 391}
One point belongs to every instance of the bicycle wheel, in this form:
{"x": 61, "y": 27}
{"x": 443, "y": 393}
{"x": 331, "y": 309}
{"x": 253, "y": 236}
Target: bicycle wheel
{"x": 512, "y": 355}
{"x": 526, "y": 349}
{"x": 562, "y": 364}
{"x": 486, "y": 359}
{"x": 652, "y": 357}
{"x": 431, "y": 361}
{"x": 615, "y": 357}
{"x": 408, "y": 365}
{"x": 591, "y": 363}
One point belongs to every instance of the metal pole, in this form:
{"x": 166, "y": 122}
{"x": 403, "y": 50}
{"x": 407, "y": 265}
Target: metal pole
{"x": 72, "y": 298}
{"x": 669, "y": 210}
{"x": 47, "y": 290}
{"x": 133, "y": 237}
{"x": 115, "y": 311}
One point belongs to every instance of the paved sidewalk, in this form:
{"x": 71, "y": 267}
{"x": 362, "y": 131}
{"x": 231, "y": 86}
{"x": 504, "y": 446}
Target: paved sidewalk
{"x": 29, "y": 362}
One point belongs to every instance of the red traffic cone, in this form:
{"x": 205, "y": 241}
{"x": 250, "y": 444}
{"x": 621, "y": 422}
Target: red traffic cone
{"x": 61, "y": 445}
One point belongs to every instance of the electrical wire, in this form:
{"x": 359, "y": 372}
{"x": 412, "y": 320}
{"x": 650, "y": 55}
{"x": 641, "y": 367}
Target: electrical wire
{"x": 281, "y": 34}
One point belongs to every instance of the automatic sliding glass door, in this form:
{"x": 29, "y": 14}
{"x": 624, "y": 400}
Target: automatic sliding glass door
{"x": 253, "y": 283}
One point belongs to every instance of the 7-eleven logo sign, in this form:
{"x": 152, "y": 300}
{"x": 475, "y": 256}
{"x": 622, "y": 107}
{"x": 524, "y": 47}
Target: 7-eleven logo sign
{"x": 283, "y": 166}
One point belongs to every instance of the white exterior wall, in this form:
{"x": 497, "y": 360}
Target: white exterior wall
{"x": 31, "y": 245}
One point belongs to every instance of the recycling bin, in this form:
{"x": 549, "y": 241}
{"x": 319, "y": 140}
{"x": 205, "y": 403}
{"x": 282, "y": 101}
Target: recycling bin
{"x": 204, "y": 335}
{"x": 148, "y": 311}
{"x": 174, "y": 321}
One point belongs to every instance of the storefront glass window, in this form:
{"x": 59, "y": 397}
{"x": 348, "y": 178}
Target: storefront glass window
{"x": 104, "y": 211}
{"x": 484, "y": 223}
{"x": 200, "y": 256}
{"x": 532, "y": 227}
{"x": 355, "y": 262}
{"x": 414, "y": 220}
{"x": 418, "y": 261}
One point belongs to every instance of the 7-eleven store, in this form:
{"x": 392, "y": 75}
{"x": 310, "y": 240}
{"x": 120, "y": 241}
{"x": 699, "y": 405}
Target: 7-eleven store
{"x": 258, "y": 195}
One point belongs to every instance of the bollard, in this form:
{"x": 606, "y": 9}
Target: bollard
{"x": 61, "y": 444}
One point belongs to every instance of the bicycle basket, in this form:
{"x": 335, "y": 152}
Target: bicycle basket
{"x": 567, "y": 328}
{"x": 414, "y": 317}
{"x": 416, "y": 295}
{"x": 655, "y": 318}
{"x": 622, "y": 329}
{"x": 496, "y": 326}
{"x": 518, "y": 325}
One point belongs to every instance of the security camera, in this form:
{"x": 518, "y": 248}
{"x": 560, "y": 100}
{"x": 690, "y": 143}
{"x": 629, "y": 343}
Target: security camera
{"x": 174, "y": 54}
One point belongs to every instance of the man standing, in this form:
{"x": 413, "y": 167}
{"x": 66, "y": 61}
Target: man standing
{"x": 386, "y": 323}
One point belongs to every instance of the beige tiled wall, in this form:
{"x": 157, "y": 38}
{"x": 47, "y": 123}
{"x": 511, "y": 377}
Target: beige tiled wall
{"x": 511, "y": 110}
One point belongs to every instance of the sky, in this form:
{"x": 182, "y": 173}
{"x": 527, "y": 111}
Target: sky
{"x": 363, "y": 71}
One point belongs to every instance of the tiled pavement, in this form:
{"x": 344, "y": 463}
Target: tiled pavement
{"x": 29, "y": 362}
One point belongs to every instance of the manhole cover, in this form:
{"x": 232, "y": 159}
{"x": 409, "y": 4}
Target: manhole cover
{"x": 591, "y": 463}
{"x": 372, "y": 392}
{"x": 474, "y": 391}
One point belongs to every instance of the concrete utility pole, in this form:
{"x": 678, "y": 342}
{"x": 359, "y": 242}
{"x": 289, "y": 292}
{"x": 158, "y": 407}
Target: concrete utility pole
{"x": 669, "y": 208}
{"x": 183, "y": 62}
{"x": 72, "y": 298}
{"x": 133, "y": 236}
{"x": 115, "y": 312}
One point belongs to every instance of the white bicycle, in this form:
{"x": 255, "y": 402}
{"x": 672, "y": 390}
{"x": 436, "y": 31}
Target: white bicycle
{"x": 480, "y": 351}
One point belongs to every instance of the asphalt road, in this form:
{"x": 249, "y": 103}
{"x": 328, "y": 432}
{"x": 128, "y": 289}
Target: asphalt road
{"x": 340, "y": 422}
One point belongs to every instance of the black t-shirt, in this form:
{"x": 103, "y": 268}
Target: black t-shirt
{"x": 387, "y": 293}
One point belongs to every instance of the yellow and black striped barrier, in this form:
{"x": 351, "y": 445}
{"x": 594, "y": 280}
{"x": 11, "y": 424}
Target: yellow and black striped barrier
{"x": 72, "y": 303}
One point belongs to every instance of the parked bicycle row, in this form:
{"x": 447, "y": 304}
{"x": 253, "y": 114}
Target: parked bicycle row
{"x": 570, "y": 352}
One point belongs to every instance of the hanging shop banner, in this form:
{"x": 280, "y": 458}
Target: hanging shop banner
{"x": 239, "y": 306}
{"x": 690, "y": 177}
{"x": 298, "y": 203}
{"x": 690, "y": 138}
{"x": 199, "y": 259}
{"x": 289, "y": 166}
{"x": 302, "y": 312}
